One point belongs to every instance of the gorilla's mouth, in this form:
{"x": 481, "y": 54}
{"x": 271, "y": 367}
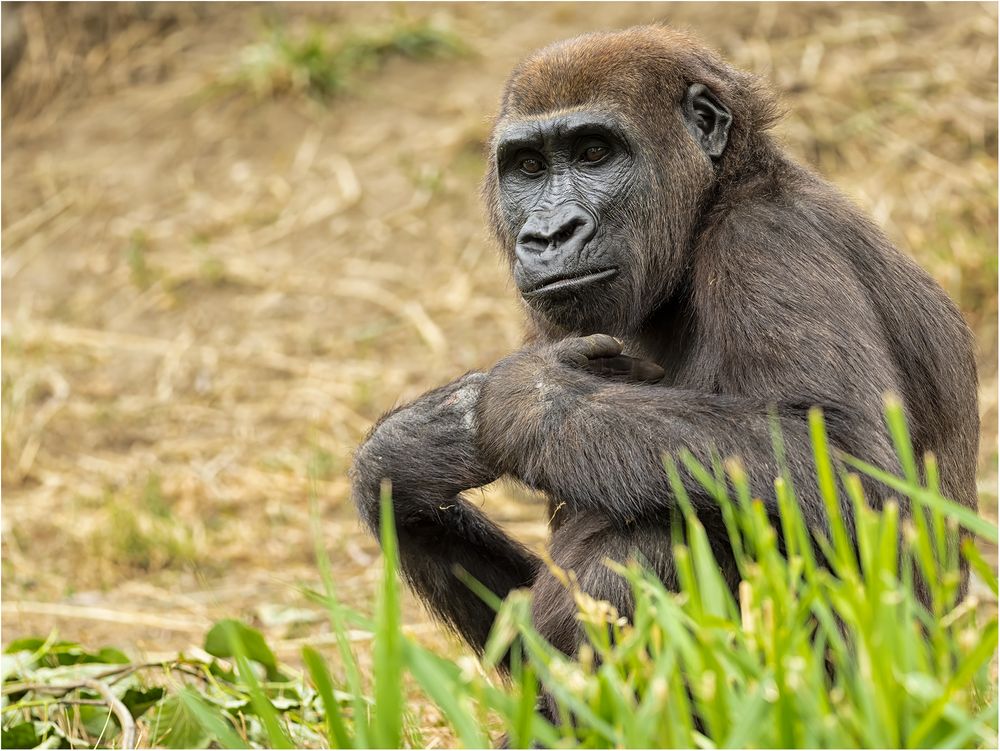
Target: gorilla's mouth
{"x": 566, "y": 283}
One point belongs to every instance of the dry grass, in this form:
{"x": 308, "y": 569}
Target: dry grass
{"x": 208, "y": 296}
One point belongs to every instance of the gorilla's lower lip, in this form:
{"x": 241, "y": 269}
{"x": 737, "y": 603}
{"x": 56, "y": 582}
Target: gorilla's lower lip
{"x": 570, "y": 283}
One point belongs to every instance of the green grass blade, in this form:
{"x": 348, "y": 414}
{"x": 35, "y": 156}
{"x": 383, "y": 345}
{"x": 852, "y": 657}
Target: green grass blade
{"x": 262, "y": 705}
{"x": 895, "y": 419}
{"x": 750, "y": 722}
{"x": 338, "y": 623}
{"x": 388, "y": 669}
{"x": 828, "y": 491}
{"x": 964, "y": 516}
{"x": 337, "y": 734}
{"x": 439, "y": 679}
{"x": 979, "y": 565}
{"x": 981, "y": 653}
{"x": 526, "y": 684}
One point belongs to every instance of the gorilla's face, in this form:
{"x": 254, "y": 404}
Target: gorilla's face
{"x": 597, "y": 214}
{"x": 566, "y": 186}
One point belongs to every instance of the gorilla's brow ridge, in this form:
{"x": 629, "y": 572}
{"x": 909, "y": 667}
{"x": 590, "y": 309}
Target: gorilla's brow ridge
{"x": 531, "y": 132}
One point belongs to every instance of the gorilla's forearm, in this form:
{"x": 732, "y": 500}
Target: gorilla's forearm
{"x": 426, "y": 450}
{"x": 598, "y": 446}
{"x": 438, "y": 535}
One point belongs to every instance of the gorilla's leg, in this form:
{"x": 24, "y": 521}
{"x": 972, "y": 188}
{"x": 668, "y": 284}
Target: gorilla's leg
{"x": 583, "y": 545}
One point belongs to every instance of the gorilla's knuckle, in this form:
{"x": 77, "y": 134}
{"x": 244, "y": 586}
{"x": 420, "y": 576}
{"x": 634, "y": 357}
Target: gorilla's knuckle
{"x": 603, "y": 345}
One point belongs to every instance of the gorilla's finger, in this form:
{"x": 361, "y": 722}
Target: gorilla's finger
{"x": 578, "y": 350}
{"x": 620, "y": 365}
{"x": 624, "y": 366}
{"x": 601, "y": 345}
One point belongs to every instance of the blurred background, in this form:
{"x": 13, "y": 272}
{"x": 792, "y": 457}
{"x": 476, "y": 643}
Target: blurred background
{"x": 233, "y": 235}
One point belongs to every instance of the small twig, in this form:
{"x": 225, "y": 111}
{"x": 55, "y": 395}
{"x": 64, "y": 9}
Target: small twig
{"x": 81, "y": 702}
{"x": 49, "y": 702}
{"x": 119, "y": 709}
{"x": 412, "y": 311}
{"x": 115, "y": 674}
{"x": 188, "y": 670}
{"x": 34, "y": 220}
{"x": 41, "y": 688}
{"x": 124, "y": 671}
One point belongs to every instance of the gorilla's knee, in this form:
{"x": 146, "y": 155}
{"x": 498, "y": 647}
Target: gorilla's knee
{"x": 584, "y": 546}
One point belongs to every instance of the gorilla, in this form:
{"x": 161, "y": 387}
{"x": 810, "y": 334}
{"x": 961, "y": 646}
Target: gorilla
{"x": 686, "y": 283}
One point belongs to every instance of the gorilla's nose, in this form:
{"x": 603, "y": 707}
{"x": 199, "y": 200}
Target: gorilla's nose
{"x": 551, "y": 235}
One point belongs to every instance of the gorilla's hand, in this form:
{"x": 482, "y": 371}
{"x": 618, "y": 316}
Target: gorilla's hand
{"x": 428, "y": 444}
{"x": 602, "y": 355}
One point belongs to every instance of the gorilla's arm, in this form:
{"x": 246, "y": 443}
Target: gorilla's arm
{"x": 426, "y": 449}
{"x": 596, "y": 446}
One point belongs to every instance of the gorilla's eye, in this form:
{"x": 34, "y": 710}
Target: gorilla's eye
{"x": 594, "y": 153}
{"x": 531, "y": 166}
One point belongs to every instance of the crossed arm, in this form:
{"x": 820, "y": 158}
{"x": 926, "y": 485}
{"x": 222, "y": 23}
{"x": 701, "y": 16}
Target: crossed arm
{"x": 597, "y": 443}
{"x": 577, "y": 420}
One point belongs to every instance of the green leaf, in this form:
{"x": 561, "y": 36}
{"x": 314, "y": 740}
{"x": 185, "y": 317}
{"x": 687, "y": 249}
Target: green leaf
{"x": 110, "y": 655}
{"x": 16, "y": 663}
{"x": 138, "y": 701}
{"x": 217, "y": 643}
{"x": 19, "y": 736}
{"x": 68, "y": 652}
{"x": 211, "y": 719}
{"x": 98, "y": 721}
{"x": 52, "y": 736}
{"x": 175, "y": 726}
{"x": 28, "y": 644}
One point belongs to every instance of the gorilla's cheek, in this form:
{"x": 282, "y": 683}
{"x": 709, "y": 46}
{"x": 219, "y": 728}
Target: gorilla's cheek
{"x": 516, "y": 202}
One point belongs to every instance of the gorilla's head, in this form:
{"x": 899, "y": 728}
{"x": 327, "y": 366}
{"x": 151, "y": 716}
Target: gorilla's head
{"x": 604, "y": 157}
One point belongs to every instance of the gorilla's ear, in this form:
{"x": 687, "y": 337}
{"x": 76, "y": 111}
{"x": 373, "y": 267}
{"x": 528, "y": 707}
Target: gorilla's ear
{"x": 707, "y": 119}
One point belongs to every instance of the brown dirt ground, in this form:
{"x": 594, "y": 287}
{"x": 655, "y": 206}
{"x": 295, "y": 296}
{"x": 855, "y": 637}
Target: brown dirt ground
{"x": 205, "y": 293}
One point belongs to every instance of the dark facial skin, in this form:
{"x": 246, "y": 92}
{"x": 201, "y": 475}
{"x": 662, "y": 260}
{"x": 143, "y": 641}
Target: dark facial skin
{"x": 564, "y": 182}
{"x": 567, "y": 195}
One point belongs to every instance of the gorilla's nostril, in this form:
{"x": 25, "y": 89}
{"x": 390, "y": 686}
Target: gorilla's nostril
{"x": 565, "y": 232}
{"x": 534, "y": 241}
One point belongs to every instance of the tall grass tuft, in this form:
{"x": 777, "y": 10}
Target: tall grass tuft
{"x": 321, "y": 65}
